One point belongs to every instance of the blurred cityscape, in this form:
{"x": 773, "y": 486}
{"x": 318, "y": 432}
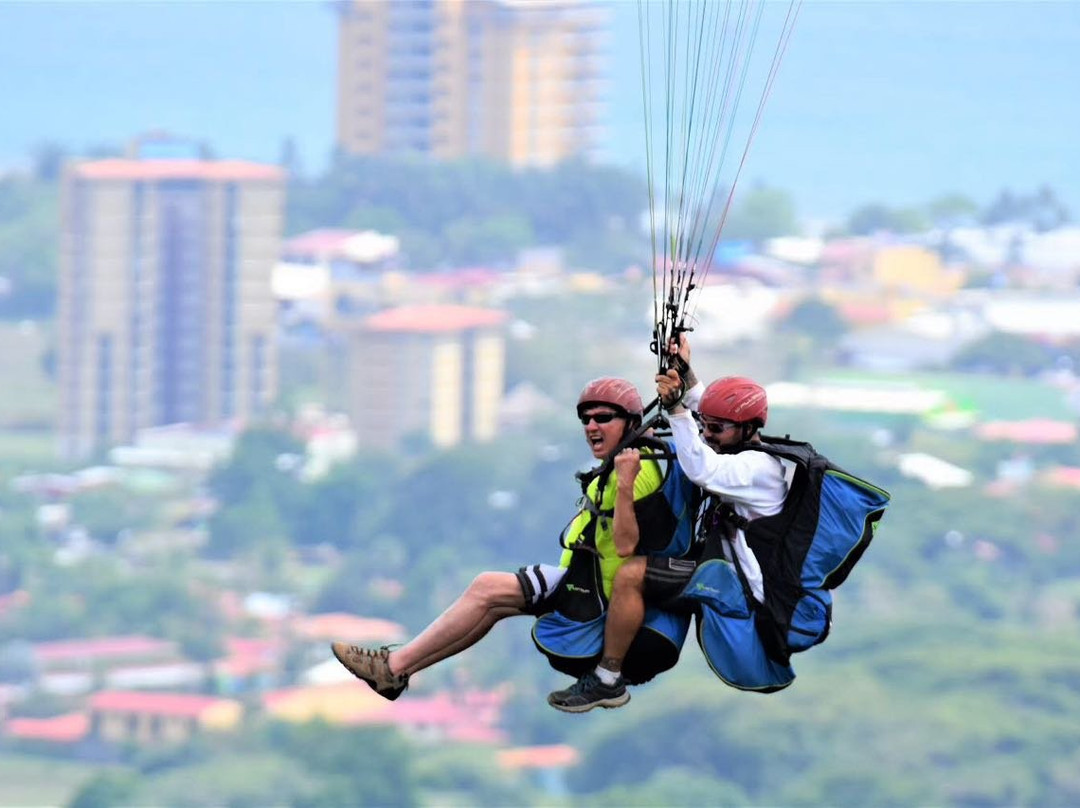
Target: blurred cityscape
{"x": 250, "y": 411}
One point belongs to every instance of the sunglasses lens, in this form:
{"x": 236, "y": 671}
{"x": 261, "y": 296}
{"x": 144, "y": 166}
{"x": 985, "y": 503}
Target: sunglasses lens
{"x": 716, "y": 427}
{"x": 599, "y": 417}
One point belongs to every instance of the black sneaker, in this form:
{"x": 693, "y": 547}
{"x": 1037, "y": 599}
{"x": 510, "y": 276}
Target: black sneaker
{"x": 588, "y": 692}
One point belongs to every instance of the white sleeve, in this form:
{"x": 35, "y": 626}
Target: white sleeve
{"x": 754, "y": 483}
{"x": 752, "y": 478}
{"x": 692, "y": 397}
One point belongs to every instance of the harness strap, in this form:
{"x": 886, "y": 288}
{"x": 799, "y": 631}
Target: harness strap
{"x": 602, "y": 473}
{"x": 718, "y": 523}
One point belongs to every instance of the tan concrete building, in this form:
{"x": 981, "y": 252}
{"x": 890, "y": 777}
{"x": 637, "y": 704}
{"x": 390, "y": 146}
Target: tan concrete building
{"x": 151, "y": 719}
{"x": 165, "y": 306}
{"x": 911, "y": 270}
{"x": 519, "y": 81}
{"x": 430, "y": 371}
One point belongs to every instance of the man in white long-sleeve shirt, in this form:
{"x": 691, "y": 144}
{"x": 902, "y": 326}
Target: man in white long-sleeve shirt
{"x": 732, "y": 410}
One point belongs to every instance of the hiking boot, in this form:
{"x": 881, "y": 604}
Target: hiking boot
{"x": 373, "y": 666}
{"x": 588, "y": 692}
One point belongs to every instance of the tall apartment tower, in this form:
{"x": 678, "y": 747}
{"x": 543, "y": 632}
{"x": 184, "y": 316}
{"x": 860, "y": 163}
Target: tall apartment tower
{"x": 518, "y": 81}
{"x": 165, "y": 308}
{"x": 434, "y": 372}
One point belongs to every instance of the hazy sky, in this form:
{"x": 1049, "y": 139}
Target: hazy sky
{"x": 895, "y": 102}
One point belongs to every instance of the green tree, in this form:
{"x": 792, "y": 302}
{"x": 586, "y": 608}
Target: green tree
{"x": 672, "y": 787}
{"x": 381, "y": 775}
{"x": 760, "y": 214}
{"x": 247, "y": 525}
{"x": 369, "y": 217}
{"x": 817, "y": 319}
{"x": 106, "y": 512}
{"x": 28, "y": 245}
{"x": 1042, "y": 209}
{"x": 109, "y": 789}
{"x": 17, "y": 662}
{"x": 950, "y": 209}
{"x": 48, "y": 161}
{"x": 22, "y": 551}
{"x": 477, "y": 211}
{"x": 259, "y": 497}
{"x": 349, "y": 505}
{"x": 492, "y": 239}
{"x": 255, "y": 461}
{"x": 999, "y": 352}
{"x": 874, "y": 218}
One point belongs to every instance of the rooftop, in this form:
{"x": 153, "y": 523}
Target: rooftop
{"x": 341, "y": 626}
{"x": 67, "y": 728}
{"x": 538, "y": 757}
{"x": 181, "y": 169}
{"x": 103, "y": 647}
{"x": 434, "y": 318}
{"x": 1032, "y": 430}
{"x": 175, "y": 704}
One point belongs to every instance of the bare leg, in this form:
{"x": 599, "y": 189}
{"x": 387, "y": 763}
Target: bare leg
{"x": 604, "y": 686}
{"x": 489, "y": 598}
{"x": 626, "y": 613}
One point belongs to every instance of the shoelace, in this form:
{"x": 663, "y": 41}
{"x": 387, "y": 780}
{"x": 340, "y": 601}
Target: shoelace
{"x": 383, "y": 653}
{"x": 586, "y": 682}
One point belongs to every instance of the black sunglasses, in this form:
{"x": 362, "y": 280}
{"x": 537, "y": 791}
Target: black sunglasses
{"x": 599, "y": 417}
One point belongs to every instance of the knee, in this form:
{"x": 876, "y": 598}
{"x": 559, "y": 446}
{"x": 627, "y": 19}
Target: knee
{"x": 631, "y": 575}
{"x": 491, "y": 589}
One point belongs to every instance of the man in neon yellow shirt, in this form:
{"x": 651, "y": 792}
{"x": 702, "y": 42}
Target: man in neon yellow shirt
{"x": 609, "y": 409}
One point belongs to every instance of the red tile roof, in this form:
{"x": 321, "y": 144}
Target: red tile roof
{"x": 434, "y": 318}
{"x": 182, "y": 169}
{"x": 68, "y": 728}
{"x": 245, "y": 646}
{"x": 449, "y": 715}
{"x": 14, "y": 600}
{"x": 1066, "y": 476}
{"x": 538, "y": 757}
{"x": 174, "y": 704}
{"x": 459, "y": 278}
{"x": 322, "y": 242}
{"x": 476, "y": 733}
{"x": 103, "y": 647}
{"x": 248, "y": 655}
{"x": 438, "y": 710}
{"x": 846, "y": 250}
{"x": 1033, "y": 430}
{"x": 865, "y": 312}
{"x": 342, "y": 626}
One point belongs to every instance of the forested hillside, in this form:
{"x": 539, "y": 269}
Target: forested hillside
{"x": 951, "y": 676}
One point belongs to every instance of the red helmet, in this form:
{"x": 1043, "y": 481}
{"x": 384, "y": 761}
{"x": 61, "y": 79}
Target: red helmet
{"x": 735, "y": 398}
{"x": 618, "y": 393}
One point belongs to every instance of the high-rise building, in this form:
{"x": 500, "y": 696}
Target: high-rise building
{"x": 519, "y": 81}
{"x": 165, "y": 306}
{"x": 431, "y": 372}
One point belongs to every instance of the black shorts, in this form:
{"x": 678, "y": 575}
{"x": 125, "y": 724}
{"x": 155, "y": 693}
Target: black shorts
{"x": 539, "y": 583}
{"x": 665, "y": 579}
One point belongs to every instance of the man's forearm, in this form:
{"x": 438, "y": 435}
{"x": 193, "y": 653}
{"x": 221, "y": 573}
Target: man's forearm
{"x": 625, "y": 531}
